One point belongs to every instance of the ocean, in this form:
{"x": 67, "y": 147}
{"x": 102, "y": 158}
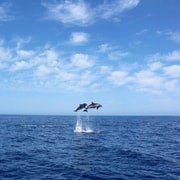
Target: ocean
{"x": 89, "y": 147}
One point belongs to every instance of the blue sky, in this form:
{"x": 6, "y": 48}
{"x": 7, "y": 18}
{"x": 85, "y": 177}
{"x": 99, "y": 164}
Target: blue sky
{"x": 124, "y": 54}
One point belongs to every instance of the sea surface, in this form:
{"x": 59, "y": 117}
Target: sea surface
{"x": 89, "y": 147}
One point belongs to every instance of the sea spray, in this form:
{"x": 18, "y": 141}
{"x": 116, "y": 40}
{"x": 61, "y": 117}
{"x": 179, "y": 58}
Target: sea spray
{"x": 83, "y": 124}
{"x": 88, "y": 125}
{"x": 78, "y": 127}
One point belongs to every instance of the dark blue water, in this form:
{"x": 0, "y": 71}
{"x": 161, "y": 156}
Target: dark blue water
{"x": 46, "y": 147}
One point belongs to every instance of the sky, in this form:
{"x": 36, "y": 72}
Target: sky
{"x": 124, "y": 54}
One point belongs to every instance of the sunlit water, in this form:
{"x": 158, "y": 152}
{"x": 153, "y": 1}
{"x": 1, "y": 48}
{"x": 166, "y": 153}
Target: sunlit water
{"x": 89, "y": 147}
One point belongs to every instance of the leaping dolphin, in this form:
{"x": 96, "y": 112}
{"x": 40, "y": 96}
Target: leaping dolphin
{"x": 81, "y": 106}
{"x": 93, "y": 105}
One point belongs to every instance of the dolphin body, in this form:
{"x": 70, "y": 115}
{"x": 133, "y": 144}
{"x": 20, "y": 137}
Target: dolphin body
{"x": 81, "y": 106}
{"x": 93, "y": 105}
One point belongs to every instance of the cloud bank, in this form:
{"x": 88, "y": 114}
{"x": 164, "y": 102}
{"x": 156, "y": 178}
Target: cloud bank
{"x": 47, "y": 67}
{"x": 82, "y": 13}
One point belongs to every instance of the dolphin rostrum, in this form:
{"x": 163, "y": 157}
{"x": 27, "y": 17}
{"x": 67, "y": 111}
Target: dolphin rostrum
{"x": 93, "y": 105}
{"x": 81, "y": 106}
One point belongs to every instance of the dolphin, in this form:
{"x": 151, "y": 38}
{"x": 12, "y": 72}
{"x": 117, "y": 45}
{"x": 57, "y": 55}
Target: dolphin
{"x": 93, "y": 105}
{"x": 81, "y": 106}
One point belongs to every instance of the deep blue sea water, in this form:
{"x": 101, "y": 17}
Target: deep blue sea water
{"x": 113, "y": 147}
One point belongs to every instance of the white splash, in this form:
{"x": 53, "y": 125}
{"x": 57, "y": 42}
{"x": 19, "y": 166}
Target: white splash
{"x": 78, "y": 127}
{"x": 83, "y": 126}
{"x": 88, "y": 130}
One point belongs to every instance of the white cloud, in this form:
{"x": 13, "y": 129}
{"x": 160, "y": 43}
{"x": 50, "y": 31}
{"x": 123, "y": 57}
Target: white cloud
{"x": 5, "y": 54}
{"x": 85, "y": 79}
{"x": 148, "y": 79}
{"x": 154, "y": 66}
{"x": 173, "y": 56}
{"x": 78, "y": 38}
{"x": 24, "y": 54}
{"x": 104, "y": 48}
{"x": 112, "y": 52}
{"x": 48, "y": 57}
{"x": 172, "y": 85}
{"x": 155, "y": 57}
{"x": 64, "y": 75}
{"x": 117, "y": 55}
{"x": 142, "y": 32}
{"x": 77, "y": 72}
{"x": 20, "y": 42}
{"x": 157, "y": 78}
{"x": 20, "y": 65}
{"x": 42, "y": 71}
{"x": 119, "y": 78}
{"x": 5, "y": 12}
{"x": 105, "y": 69}
{"x": 174, "y": 36}
{"x": 154, "y": 78}
{"x": 173, "y": 71}
{"x": 71, "y": 12}
{"x": 51, "y": 55}
{"x": 81, "y": 61}
{"x": 80, "y": 12}
{"x": 110, "y": 9}
{"x": 171, "y": 35}
{"x": 45, "y": 67}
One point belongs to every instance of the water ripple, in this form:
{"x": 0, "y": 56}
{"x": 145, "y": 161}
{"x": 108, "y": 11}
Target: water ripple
{"x": 46, "y": 147}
